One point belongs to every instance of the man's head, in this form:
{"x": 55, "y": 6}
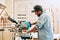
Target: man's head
{"x": 38, "y": 10}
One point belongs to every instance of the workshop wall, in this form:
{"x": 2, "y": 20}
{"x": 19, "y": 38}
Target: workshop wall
{"x": 15, "y": 8}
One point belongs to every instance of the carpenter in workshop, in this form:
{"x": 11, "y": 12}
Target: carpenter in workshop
{"x": 43, "y": 24}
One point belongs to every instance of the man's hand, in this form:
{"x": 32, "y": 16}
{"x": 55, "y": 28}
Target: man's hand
{"x": 31, "y": 30}
{"x": 33, "y": 23}
{"x": 25, "y": 31}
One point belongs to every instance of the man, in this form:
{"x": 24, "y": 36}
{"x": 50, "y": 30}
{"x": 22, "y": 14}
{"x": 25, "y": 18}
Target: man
{"x": 43, "y": 24}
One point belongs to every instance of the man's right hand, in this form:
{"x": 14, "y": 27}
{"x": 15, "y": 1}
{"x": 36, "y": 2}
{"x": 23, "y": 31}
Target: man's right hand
{"x": 33, "y": 23}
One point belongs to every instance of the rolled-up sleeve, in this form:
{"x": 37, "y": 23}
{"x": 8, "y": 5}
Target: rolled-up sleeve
{"x": 41, "y": 21}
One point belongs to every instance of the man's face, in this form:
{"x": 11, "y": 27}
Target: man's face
{"x": 38, "y": 12}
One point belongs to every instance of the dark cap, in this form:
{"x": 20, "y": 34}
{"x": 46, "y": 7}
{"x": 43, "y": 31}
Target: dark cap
{"x": 37, "y": 7}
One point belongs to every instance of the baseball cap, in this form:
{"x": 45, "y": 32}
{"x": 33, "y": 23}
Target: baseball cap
{"x": 37, "y": 7}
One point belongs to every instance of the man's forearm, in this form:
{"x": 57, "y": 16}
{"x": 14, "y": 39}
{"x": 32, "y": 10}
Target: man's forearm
{"x": 33, "y": 23}
{"x": 32, "y": 30}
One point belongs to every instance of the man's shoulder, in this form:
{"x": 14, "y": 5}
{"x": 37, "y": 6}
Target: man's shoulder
{"x": 44, "y": 15}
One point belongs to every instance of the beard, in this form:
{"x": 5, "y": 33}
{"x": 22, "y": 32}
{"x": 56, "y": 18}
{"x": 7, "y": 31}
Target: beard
{"x": 38, "y": 15}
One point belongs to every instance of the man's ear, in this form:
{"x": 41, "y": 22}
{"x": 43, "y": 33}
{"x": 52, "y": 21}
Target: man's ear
{"x": 40, "y": 11}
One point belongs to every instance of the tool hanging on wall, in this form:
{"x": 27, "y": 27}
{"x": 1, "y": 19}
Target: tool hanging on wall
{"x": 2, "y": 7}
{"x": 4, "y": 16}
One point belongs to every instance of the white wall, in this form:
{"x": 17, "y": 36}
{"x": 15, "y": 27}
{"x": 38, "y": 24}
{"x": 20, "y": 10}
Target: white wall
{"x": 9, "y": 4}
